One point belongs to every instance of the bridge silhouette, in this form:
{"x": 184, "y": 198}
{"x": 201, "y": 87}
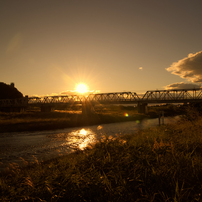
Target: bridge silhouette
{"x": 46, "y": 103}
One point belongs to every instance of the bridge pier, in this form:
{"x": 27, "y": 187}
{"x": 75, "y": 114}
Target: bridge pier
{"x": 87, "y": 108}
{"x": 46, "y": 108}
{"x": 142, "y": 108}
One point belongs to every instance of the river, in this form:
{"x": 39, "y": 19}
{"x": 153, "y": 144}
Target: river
{"x": 31, "y": 147}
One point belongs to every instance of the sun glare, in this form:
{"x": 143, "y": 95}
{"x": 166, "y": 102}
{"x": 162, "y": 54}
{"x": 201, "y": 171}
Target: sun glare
{"x": 82, "y": 88}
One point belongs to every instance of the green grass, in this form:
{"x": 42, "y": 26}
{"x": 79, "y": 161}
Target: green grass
{"x": 158, "y": 164}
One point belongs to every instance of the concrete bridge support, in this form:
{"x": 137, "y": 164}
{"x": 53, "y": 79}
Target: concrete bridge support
{"x": 87, "y": 108}
{"x": 142, "y": 108}
{"x": 46, "y": 108}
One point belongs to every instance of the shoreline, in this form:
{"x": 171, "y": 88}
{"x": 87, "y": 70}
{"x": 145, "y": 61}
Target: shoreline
{"x": 41, "y": 121}
{"x": 54, "y": 121}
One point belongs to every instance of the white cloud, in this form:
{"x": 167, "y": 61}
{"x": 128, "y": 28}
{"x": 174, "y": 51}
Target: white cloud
{"x": 182, "y": 85}
{"x": 189, "y": 68}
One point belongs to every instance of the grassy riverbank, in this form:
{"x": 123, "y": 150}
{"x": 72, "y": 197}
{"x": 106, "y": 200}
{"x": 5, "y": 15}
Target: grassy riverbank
{"x": 158, "y": 164}
{"x": 34, "y": 120}
{"x": 37, "y": 121}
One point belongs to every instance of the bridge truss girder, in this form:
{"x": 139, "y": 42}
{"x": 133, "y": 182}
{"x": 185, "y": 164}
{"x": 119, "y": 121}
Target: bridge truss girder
{"x": 183, "y": 95}
{"x": 113, "y": 97}
{"x": 158, "y": 96}
{"x": 68, "y": 99}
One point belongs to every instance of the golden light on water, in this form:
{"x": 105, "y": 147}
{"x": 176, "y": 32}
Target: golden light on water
{"x": 87, "y": 138}
{"x": 99, "y": 127}
{"x": 83, "y": 132}
{"x": 82, "y": 88}
{"x": 81, "y": 138}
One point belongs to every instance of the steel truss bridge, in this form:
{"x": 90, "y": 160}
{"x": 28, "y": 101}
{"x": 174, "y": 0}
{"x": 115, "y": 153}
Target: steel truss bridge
{"x": 157, "y": 96}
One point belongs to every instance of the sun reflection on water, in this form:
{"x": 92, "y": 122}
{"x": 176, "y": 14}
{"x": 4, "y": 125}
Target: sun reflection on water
{"x": 83, "y": 132}
{"x": 99, "y": 127}
{"x": 81, "y": 138}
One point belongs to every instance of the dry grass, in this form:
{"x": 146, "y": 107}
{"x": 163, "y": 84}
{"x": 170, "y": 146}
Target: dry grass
{"x": 158, "y": 164}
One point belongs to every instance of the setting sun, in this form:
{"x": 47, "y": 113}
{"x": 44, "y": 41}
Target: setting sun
{"x": 82, "y": 88}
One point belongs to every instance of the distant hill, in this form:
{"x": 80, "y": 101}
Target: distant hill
{"x": 9, "y": 91}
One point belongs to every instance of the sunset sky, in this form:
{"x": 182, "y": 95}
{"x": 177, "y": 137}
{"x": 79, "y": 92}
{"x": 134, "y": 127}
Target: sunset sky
{"x": 49, "y": 46}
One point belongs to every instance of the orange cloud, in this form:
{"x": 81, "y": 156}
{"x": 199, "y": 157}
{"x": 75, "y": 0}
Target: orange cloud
{"x": 189, "y": 68}
{"x": 182, "y": 85}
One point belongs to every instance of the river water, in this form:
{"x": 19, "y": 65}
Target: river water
{"x": 32, "y": 147}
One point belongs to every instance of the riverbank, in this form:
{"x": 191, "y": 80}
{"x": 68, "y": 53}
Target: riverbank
{"x": 38, "y": 121}
{"x": 157, "y": 164}
{"x": 59, "y": 119}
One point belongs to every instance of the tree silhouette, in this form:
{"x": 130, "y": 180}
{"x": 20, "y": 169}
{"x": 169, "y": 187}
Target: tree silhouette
{"x": 9, "y": 91}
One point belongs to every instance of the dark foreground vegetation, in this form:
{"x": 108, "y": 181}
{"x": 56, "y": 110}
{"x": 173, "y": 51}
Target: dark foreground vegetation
{"x": 158, "y": 164}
